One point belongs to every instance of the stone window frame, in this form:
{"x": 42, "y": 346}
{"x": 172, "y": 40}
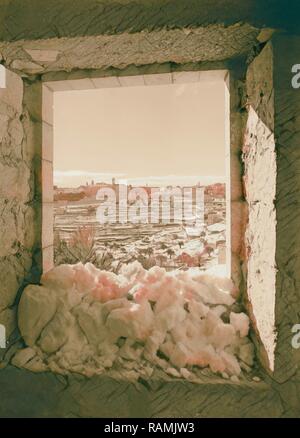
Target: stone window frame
{"x": 114, "y": 81}
{"x": 251, "y": 86}
{"x": 237, "y": 208}
{"x": 120, "y": 51}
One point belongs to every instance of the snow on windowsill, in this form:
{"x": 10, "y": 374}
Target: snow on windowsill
{"x": 138, "y": 323}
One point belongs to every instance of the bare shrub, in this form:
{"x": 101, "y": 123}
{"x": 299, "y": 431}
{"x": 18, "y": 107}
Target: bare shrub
{"x": 81, "y": 247}
{"x": 147, "y": 262}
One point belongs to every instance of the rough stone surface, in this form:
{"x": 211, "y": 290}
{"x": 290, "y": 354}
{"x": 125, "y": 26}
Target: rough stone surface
{"x": 48, "y": 395}
{"x": 17, "y": 214}
{"x": 260, "y": 181}
{"x": 238, "y": 208}
{"x": 31, "y": 52}
{"x": 12, "y": 94}
{"x": 69, "y": 18}
{"x": 211, "y": 43}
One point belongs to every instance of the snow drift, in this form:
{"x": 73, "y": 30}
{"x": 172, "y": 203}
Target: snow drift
{"x": 84, "y": 320}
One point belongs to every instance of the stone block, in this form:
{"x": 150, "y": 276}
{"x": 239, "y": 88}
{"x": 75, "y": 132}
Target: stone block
{"x": 36, "y": 308}
{"x": 260, "y": 86}
{"x": 47, "y": 225}
{"x": 239, "y": 216}
{"x": 106, "y": 82}
{"x": 32, "y": 228}
{"x": 185, "y": 77}
{"x": 47, "y": 106}
{"x": 8, "y": 228}
{"x": 236, "y": 186}
{"x": 48, "y": 258}
{"x": 260, "y": 160}
{"x": 16, "y": 132}
{"x": 43, "y": 55}
{"x": 8, "y": 318}
{"x": 81, "y": 84}
{"x": 26, "y": 65}
{"x": 12, "y": 95}
{"x": 32, "y": 147}
{"x": 15, "y": 182}
{"x": 9, "y": 283}
{"x": 57, "y": 86}
{"x": 237, "y": 126}
{"x": 4, "y": 119}
{"x": 47, "y": 181}
{"x": 33, "y": 100}
{"x": 158, "y": 79}
{"x": 131, "y": 81}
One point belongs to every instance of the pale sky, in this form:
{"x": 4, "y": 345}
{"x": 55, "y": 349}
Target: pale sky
{"x": 164, "y": 134}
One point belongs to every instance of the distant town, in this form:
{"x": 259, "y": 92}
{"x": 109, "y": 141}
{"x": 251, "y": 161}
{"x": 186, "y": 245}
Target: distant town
{"x": 167, "y": 243}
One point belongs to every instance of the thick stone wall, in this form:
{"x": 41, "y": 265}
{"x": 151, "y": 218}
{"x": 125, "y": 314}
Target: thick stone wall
{"x": 202, "y": 44}
{"x": 35, "y": 48}
{"x": 238, "y": 205}
{"x": 18, "y": 228}
{"x": 202, "y": 48}
{"x": 260, "y": 187}
{"x": 287, "y": 135}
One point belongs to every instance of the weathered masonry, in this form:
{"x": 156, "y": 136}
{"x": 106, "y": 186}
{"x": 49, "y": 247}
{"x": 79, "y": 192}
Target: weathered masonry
{"x": 61, "y": 44}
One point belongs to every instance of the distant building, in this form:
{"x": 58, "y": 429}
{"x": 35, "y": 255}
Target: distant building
{"x": 215, "y": 190}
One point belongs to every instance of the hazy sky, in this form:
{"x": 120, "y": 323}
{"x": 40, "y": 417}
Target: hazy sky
{"x": 171, "y": 134}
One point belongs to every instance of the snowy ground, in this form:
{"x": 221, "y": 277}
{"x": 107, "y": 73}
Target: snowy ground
{"x": 89, "y": 321}
{"x": 165, "y": 244}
